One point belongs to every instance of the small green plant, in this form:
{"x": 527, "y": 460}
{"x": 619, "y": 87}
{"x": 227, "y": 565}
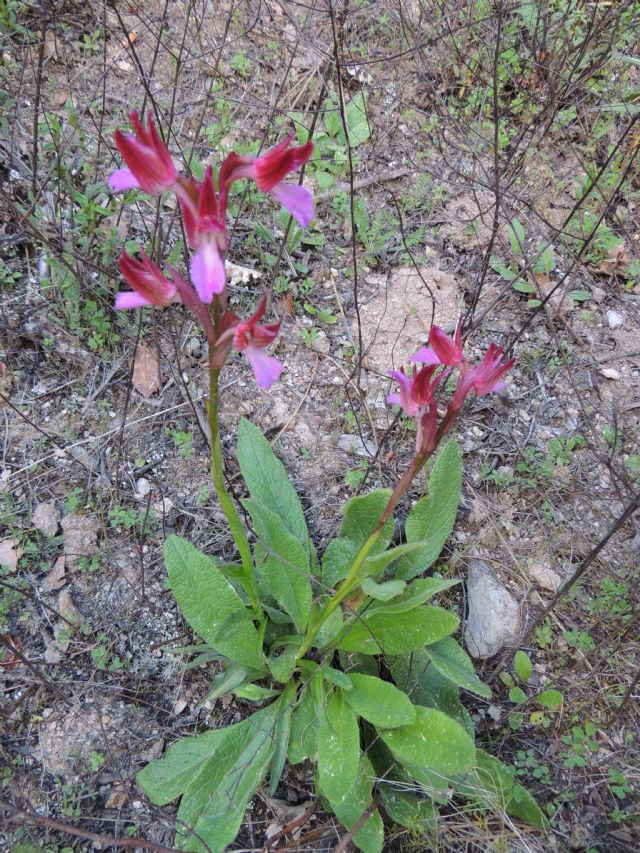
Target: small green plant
{"x": 103, "y": 658}
{"x": 355, "y": 477}
{"x": 548, "y": 699}
{"x": 580, "y": 743}
{"x": 96, "y": 760}
{"x": 183, "y": 442}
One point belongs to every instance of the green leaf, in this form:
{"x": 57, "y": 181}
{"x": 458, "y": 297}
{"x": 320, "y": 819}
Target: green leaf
{"x": 283, "y": 664}
{"x": 335, "y": 676}
{"x": 432, "y": 518}
{"x": 235, "y": 675}
{"x": 384, "y": 631}
{"x": 267, "y": 480}
{"x": 550, "y": 699}
{"x": 379, "y": 702}
{"x": 329, "y": 629}
{"x": 515, "y": 234}
{"x": 377, "y": 564}
{"x": 302, "y": 740}
{"x": 434, "y": 742}
{"x": 338, "y": 748}
{"x": 254, "y": 692}
{"x": 450, "y": 659}
{"x": 523, "y": 286}
{"x": 507, "y": 679}
{"x": 361, "y": 515}
{"x": 415, "y": 594}
{"x": 523, "y": 665}
{"x": 492, "y": 784}
{"x": 517, "y": 695}
{"x": 286, "y": 569}
{"x": 281, "y": 735}
{"x": 352, "y": 805}
{"x": 502, "y": 269}
{"x": 357, "y": 121}
{"x": 425, "y": 685}
{"x": 418, "y": 815}
{"x": 546, "y": 262}
{"x": 382, "y": 591}
{"x": 210, "y": 604}
{"x": 213, "y": 806}
{"x": 580, "y": 295}
{"x": 332, "y": 119}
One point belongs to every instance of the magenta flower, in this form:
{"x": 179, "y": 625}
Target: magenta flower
{"x": 204, "y": 220}
{"x": 268, "y": 171}
{"x": 484, "y": 378}
{"x": 149, "y": 283}
{"x": 150, "y": 165}
{"x": 251, "y": 339}
{"x": 417, "y": 399}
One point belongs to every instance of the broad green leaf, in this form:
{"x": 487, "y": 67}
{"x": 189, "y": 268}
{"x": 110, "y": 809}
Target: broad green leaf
{"x": 363, "y": 664}
{"x": 378, "y": 563}
{"x": 329, "y": 629}
{"x": 213, "y": 806}
{"x": 235, "y": 675}
{"x": 493, "y": 785}
{"x": 406, "y": 808}
{"x": 254, "y": 692}
{"x": 502, "y": 269}
{"x": 379, "y": 702}
{"x": 546, "y": 262}
{"x": 210, "y": 604}
{"x": 425, "y": 685}
{"x": 414, "y": 595}
{"x": 352, "y": 805}
{"x": 433, "y": 741}
{"x": 281, "y": 735}
{"x": 361, "y": 516}
{"x": 338, "y": 748}
{"x": 432, "y": 518}
{"x": 267, "y": 481}
{"x": 335, "y": 676}
{"x": 357, "y": 122}
{"x": 286, "y": 569}
{"x": 550, "y": 699}
{"x": 382, "y": 591}
{"x": 282, "y": 662}
{"x": 332, "y": 119}
{"x": 523, "y": 286}
{"x": 515, "y": 233}
{"x": 523, "y": 665}
{"x": 454, "y": 663}
{"x": 517, "y": 695}
{"x": 304, "y": 722}
{"x": 385, "y": 632}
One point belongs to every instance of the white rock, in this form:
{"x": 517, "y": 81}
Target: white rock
{"x": 46, "y": 519}
{"x": 354, "y": 444}
{"x": 143, "y": 487}
{"x": 610, "y": 373}
{"x": 544, "y": 576}
{"x": 494, "y": 615}
{"x": 614, "y": 319}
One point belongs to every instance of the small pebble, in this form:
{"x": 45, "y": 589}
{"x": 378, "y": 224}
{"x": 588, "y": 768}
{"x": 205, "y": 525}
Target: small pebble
{"x": 614, "y": 319}
{"x": 610, "y": 373}
{"x": 143, "y": 487}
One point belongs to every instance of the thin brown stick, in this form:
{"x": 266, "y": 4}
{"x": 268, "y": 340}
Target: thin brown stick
{"x": 294, "y": 824}
{"x": 364, "y": 817}
{"x": 106, "y": 842}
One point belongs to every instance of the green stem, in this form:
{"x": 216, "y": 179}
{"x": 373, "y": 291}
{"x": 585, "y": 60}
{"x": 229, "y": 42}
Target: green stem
{"x": 217, "y": 476}
{"x": 352, "y": 580}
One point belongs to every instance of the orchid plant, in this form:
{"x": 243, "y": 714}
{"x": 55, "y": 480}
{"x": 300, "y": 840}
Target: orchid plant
{"x": 343, "y": 659}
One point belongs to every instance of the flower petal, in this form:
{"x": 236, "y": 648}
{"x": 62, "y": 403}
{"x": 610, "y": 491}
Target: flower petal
{"x": 266, "y": 368}
{"x": 123, "y": 179}
{"x": 425, "y": 355}
{"x": 298, "y": 201}
{"x": 129, "y": 299}
{"x": 394, "y": 400}
{"x": 207, "y": 271}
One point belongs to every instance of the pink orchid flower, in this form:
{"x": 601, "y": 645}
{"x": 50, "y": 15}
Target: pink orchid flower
{"x": 251, "y": 339}
{"x": 417, "y": 399}
{"x": 268, "y": 171}
{"x": 149, "y": 283}
{"x": 442, "y": 349}
{"x": 204, "y": 220}
{"x": 485, "y": 378}
{"x": 149, "y": 162}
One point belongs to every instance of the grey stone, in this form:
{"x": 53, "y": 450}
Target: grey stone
{"x": 494, "y": 615}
